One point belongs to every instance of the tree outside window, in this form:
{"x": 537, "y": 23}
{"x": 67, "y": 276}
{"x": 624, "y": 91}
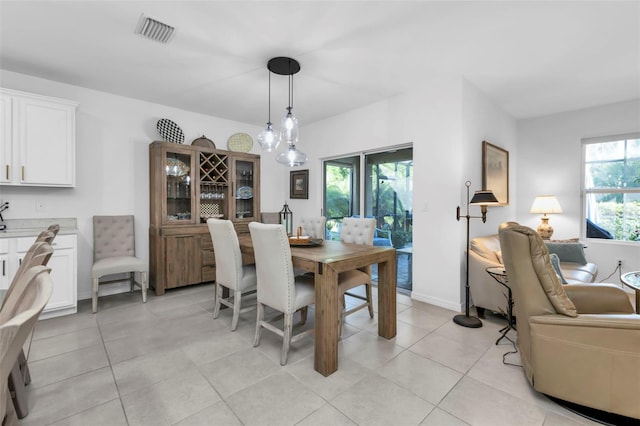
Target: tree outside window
{"x": 612, "y": 187}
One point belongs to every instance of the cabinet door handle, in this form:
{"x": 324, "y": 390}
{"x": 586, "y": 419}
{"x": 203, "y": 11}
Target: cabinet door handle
{"x": 22, "y": 172}
{"x": 4, "y": 272}
{"x": 7, "y": 171}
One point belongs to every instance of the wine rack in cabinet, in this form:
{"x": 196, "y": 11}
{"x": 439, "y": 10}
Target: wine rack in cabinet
{"x": 188, "y": 185}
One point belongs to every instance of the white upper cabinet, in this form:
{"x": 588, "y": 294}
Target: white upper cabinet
{"x": 38, "y": 145}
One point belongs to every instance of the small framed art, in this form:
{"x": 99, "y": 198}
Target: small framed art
{"x": 299, "y": 184}
{"x": 495, "y": 171}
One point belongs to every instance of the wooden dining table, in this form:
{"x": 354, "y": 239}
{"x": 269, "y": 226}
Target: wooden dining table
{"x": 326, "y": 262}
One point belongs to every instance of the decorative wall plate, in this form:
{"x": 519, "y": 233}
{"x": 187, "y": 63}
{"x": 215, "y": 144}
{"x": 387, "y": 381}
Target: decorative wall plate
{"x": 204, "y": 142}
{"x": 240, "y": 142}
{"x": 170, "y": 131}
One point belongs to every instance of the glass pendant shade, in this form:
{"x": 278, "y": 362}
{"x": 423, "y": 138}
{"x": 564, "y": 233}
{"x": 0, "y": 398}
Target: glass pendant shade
{"x": 268, "y": 138}
{"x": 289, "y": 128}
{"x": 292, "y": 157}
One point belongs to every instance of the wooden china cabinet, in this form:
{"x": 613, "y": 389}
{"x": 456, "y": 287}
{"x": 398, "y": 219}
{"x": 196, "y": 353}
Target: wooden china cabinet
{"x": 188, "y": 185}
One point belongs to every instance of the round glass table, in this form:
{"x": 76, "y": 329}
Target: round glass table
{"x": 632, "y": 279}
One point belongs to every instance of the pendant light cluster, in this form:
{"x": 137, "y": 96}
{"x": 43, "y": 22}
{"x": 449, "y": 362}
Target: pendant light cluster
{"x": 269, "y": 139}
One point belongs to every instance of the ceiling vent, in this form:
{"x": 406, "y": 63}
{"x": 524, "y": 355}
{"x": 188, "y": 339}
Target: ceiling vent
{"x": 154, "y": 30}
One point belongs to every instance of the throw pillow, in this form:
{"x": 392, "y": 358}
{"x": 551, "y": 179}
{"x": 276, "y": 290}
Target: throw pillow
{"x": 555, "y": 262}
{"x": 568, "y": 252}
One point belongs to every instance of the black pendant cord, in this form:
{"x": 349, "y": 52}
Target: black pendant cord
{"x": 269, "y": 107}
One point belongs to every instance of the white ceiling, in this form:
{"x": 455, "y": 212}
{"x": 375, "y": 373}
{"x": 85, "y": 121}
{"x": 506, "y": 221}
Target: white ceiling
{"x": 532, "y": 58}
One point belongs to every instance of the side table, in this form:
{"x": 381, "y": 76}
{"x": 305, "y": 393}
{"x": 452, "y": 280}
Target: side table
{"x": 500, "y": 275}
{"x": 632, "y": 279}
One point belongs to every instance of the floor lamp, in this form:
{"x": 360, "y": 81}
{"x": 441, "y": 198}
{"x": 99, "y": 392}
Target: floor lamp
{"x": 482, "y": 199}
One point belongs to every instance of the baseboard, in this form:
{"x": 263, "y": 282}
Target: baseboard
{"x": 443, "y": 303}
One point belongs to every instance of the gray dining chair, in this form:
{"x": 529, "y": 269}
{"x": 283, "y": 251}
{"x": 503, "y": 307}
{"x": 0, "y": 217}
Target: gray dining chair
{"x": 230, "y": 272}
{"x": 114, "y": 253}
{"x": 278, "y": 288}
{"x": 356, "y": 231}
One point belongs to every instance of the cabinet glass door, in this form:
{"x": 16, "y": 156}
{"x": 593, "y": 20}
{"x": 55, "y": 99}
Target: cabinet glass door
{"x": 178, "y": 187}
{"x": 244, "y": 179}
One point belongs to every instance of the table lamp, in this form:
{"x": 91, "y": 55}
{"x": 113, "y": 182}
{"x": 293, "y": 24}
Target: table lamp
{"x": 545, "y": 204}
{"x": 482, "y": 199}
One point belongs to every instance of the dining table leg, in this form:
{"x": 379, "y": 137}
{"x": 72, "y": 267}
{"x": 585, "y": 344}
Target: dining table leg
{"x": 387, "y": 272}
{"x": 327, "y": 311}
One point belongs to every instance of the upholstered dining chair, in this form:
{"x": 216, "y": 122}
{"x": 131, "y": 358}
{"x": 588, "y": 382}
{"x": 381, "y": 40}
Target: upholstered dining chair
{"x": 270, "y": 217}
{"x": 230, "y": 272}
{"x": 17, "y": 319}
{"x": 114, "y": 253}
{"x": 38, "y": 254}
{"x": 356, "y": 231}
{"x": 314, "y": 226}
{"x": 577, "y": 342}
{"x": 278, "y": 288}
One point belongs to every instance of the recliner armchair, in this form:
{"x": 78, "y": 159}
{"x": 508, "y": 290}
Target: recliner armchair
{"x": 578, "y": 343}
{"x": 485, "y": 252}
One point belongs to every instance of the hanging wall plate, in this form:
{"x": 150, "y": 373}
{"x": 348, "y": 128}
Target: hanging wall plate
{"x": 204, "y": 142}
{"x": 170, "y": 131}
{"x": 240, "y": 142}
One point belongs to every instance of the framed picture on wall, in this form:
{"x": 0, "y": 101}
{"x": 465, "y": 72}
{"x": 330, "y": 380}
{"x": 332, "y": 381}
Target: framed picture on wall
{"x": 299, "y": 184}
{"x": 495, "y": 171}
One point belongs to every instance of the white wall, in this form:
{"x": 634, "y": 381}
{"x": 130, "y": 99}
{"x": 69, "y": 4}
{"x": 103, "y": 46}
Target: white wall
{"x": 549, "y": 159}
{"x": 112, "y": 159}
{"x": 446, "y": 122}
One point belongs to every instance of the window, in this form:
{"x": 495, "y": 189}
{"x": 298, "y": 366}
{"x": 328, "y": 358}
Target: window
{"x": 612, "y": 187}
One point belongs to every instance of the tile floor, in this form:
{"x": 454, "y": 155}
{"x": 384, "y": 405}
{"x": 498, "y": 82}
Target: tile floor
{"x": 168, "y": 362}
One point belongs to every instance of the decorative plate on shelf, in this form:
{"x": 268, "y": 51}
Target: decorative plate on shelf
{"x": 244, "y": 193}
{"x": 170, "y": 131}
{"x": 204, "y": 142}
{"x": 240, "y": 142}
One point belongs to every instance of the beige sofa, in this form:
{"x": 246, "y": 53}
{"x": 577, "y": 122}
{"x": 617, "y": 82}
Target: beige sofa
{"x": 485, "y": 252}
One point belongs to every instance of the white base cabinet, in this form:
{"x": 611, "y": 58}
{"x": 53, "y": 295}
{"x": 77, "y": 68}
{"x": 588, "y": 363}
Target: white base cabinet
{"x": 63, "y": 264}
{"x": 37, "y": 140}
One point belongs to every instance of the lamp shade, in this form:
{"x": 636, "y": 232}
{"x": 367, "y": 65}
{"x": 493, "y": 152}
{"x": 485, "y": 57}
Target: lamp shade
{"x": 269, "y": 139}
{"x": 292, "y": 157}
{"x": 545, "y": 204}
{"x": 484, "y": 198}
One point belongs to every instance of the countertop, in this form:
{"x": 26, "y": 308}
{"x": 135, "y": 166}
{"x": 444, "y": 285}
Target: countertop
{"x": 33, "y": 227}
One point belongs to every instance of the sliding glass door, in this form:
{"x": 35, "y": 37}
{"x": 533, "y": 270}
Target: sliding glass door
{"x": 385, "y": 190}
{"x": 341, "y": 192}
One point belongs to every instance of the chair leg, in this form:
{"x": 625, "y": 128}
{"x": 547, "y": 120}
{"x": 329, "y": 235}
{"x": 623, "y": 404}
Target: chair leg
{"x": 237, "y": 298}
{"x": 24, "y": 368}
{"x": 144, "y": 285}
{"x": 216, "y": 304}
{"x": 259, "y": 318}
{"x": 286, "y": 338}
{"x": 303, "y": 315}
{"x": 94, "y": 295}
{"x": 369, "y": 299}
{"x": 132, "y": 280}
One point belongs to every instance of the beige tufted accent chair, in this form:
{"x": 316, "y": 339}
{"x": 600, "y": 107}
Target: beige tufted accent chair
{"x": 114, "y": 253}
{"x": 577, "y": 342}
{"x": 356, "y": 231}
{"x": 314, "y": 227}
